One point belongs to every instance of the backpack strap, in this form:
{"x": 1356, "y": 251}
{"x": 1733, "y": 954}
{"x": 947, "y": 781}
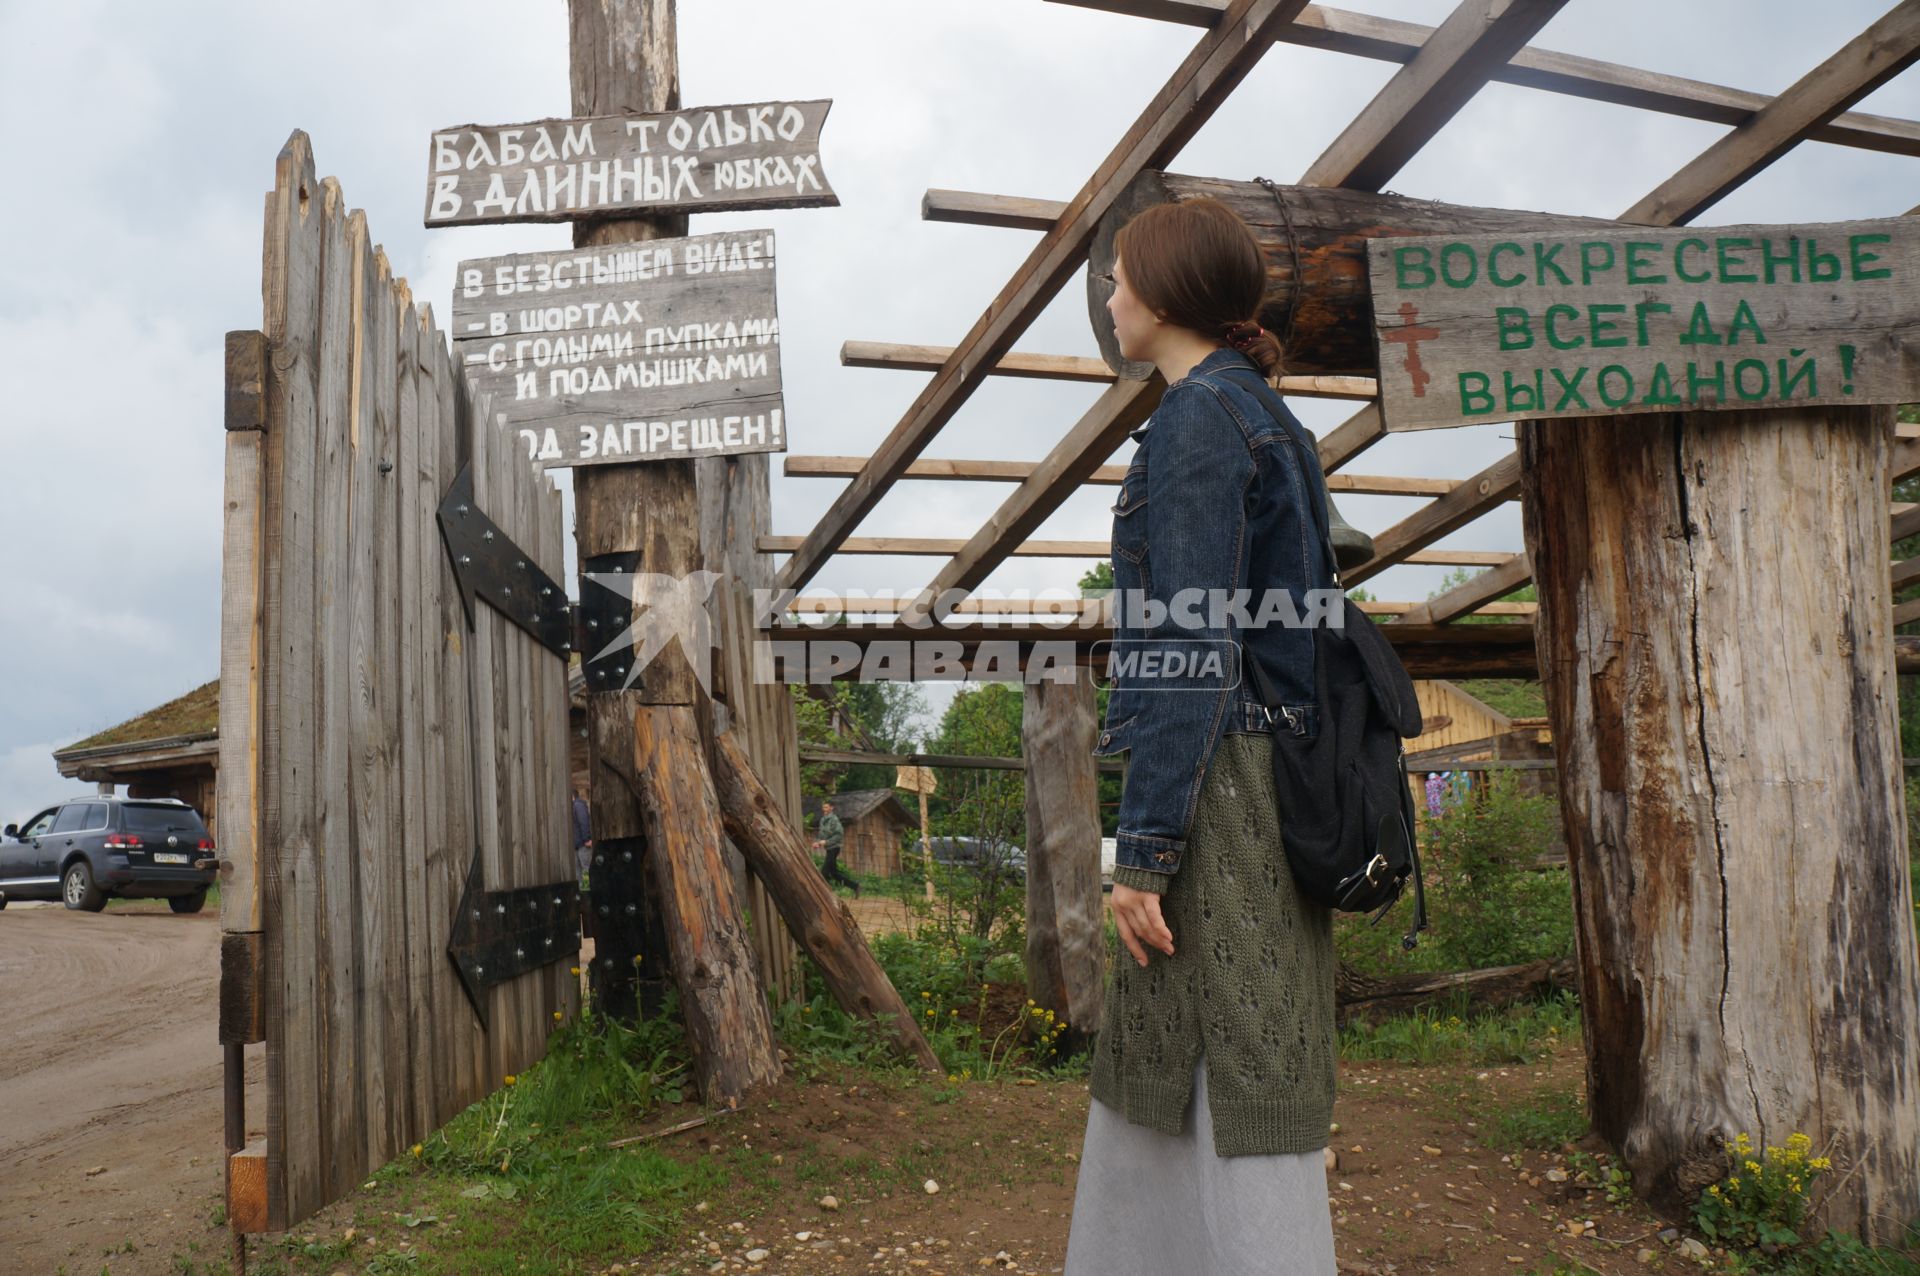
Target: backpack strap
{"x": 1305, "y": 444}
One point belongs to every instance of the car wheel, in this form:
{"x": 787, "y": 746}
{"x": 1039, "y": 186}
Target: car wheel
{"x": 77, "y": 890}
{"x": 188, "y": 903}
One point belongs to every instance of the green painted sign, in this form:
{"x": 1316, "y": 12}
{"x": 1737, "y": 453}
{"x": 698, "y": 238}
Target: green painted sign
{"x": 1492, "y": 328}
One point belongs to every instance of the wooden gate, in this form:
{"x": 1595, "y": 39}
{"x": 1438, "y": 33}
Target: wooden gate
{"x": 381, "y": 753}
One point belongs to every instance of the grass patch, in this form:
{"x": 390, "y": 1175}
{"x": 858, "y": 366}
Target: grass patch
{"x": 1519, "y": 1033}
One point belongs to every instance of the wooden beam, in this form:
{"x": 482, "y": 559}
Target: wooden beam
{"x": 1867, "y": 61}
{"x": 1184, "y": 103}
{"x": 1905, "y": 573}
{"x": 1122, "y": 409}
{"x": 809, "y": 466}
{"x": 1069, "y": 367}
{"x": 1351, "y": 437}
{"x": 836, "y": 605}
{"x": 946, "y": 546}
{"x": 1905, "y": 524}
{"x": 972, "y": 208}
{"x": 1453, "y": 63}
{"x": 1475, "y": 595}
{"x": 1388, "y": 40}
{"x": 1427, "y": 651}
{"x": 1498, "y": 482}
{"x": 915, "y": 358}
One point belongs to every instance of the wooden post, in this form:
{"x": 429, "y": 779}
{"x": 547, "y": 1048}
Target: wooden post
{"x": 1715, "y": 641}
{"x": 819, "y": 918}
{"x": 653, "y": 804}
{"x": 1066, "y": 942}
{"x": 926, "y": 846}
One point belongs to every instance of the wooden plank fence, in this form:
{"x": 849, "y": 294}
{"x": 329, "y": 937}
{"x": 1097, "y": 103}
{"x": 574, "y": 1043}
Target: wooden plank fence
{"x": 371, "y": 742}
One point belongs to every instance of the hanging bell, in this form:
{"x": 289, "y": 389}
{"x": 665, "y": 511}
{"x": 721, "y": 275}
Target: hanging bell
{"x": 1351, "y": 546}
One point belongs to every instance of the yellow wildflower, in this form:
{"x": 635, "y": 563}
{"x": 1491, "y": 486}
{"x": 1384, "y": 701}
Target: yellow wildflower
{"x": 575, "y": 970}
{"x": 511, "y": 1078}
{"x": 925, "y": 995}
{"x": 1753, "y": 1166}
{"x": 418, "y": 1149}
{"x": 557, "y": 1016}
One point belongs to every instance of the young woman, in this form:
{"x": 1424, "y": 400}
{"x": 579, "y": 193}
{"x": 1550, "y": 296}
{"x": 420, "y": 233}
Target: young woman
{"x": 1213, "y": 1073}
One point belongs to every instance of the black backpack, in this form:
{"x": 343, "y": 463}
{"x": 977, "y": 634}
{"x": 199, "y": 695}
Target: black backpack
{"x": 1346, "y": 813}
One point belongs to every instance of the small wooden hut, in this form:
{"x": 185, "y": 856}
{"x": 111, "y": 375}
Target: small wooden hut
{"x": 876, "y": 823}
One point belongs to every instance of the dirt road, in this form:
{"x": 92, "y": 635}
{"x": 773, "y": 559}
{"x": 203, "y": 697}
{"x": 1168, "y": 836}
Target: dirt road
{"x": 109, "y": 1089}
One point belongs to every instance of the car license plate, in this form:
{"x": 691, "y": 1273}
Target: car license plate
{"x": 169, "y": 857}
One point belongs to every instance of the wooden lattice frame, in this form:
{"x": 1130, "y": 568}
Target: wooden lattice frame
{"x": 1441, "y": 69}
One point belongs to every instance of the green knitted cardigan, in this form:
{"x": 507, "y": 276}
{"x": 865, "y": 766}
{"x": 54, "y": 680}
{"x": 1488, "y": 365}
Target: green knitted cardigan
{"x": 1250, "y": 983}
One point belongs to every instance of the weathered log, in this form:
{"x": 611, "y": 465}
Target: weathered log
{"x": 1066, "y": 914}
{"x": 1717, "y": 654}
{"x": 818, "y": 918}
{"x": 729, "y": 1028}
{"x": 1365, "y": 997}
{"x": 1318, "y": 299}
{"x": 622, "y": 59}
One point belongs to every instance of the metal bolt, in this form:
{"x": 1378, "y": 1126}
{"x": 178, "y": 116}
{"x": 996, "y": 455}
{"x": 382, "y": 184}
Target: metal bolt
{"x": 549, "y": 941}
{"x": 603, "y": 910}
{"x": 464, "y": 560}
{"x": 462, "y": 511}
{"x": 519, "y": 952}
{"x": 487, "y": 535}
{"x": 632, "y": 909}
{"x": 479, "y": 971}
{"x": 546, "y": 592}
{"x": 501, "y": 909}
{"x": 476, "y": 914}
{"x": 521, "y": 563}
{"x": 627, "y": 856}
{"x": 598, "y": 859}
{"x": 593, "y": 624}
{"x": 508, "y": 588}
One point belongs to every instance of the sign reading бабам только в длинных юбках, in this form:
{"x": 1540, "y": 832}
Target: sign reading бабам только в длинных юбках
{"x": 1500, "y": 328}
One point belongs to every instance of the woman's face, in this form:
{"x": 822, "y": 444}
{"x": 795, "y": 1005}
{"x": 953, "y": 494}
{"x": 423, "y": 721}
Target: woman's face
{"x": 1135, "y": 326}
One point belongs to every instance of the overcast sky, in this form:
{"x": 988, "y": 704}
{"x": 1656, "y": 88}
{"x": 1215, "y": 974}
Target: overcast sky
{"x": 141, "y": 137}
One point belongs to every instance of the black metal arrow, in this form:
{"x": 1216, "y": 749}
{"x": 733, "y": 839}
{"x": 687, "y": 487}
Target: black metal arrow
{"x": 486, "y": 563}
{"x": 501, "y": 935}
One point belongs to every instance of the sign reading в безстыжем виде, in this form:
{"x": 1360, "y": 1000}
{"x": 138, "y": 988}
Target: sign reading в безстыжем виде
{"x": 1492, "y": 328}
{"x": 646, "y": 351}
{"x": 760, "y": 155}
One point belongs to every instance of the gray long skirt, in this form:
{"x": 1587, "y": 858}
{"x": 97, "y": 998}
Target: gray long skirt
{"x": 1151, "y": 1204}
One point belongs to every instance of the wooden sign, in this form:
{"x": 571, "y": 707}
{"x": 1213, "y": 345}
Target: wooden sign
{"x": 646, "y": 351}
{"x": 914, "y": 779}
{"x": 760, "y": 155}
{"x": 1559, "y": 324}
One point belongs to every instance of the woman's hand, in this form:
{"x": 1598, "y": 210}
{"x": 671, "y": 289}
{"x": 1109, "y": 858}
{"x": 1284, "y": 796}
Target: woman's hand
{"x": 1136, "y": 915}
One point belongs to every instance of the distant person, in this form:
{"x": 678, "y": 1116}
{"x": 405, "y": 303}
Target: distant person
{"x": 582, "y": 829}
{"x": 832, "y": 834}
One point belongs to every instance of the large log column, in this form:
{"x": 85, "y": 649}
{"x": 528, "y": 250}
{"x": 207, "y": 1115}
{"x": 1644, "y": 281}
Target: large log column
{"x": 660, "y": 852}
{"x": 1315, "y": 242}
{"x": 1716, "y": 644}
{"x": 1066, "y": 942}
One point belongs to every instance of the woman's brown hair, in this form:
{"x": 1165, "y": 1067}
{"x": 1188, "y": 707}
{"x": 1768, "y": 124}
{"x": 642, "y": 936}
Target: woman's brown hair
{"x": 1197, "y": 265}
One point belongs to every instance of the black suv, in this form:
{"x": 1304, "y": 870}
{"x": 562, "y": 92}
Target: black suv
{"x": 87, "y": 849}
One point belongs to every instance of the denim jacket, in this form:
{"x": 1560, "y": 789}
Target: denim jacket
{"x": 1216, "y": 501}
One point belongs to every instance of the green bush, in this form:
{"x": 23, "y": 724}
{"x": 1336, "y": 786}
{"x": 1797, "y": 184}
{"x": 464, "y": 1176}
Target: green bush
{"x": 1487, "y": 905}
